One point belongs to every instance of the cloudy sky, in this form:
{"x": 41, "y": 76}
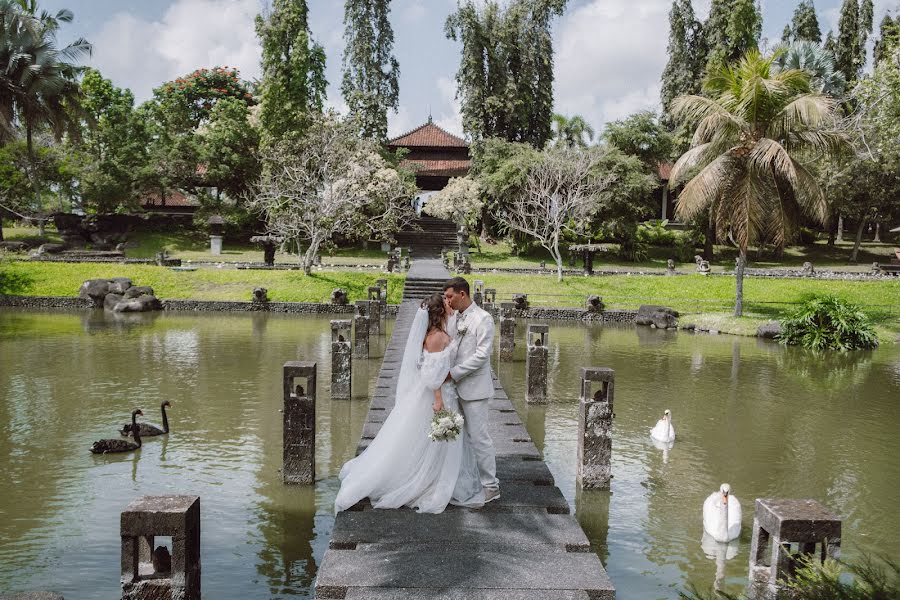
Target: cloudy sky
{"x": 609, "y": 53}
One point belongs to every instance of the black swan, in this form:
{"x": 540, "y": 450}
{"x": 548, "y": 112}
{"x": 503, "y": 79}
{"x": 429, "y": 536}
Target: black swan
{"x": 148, "y": 430}
{"x": 106, "y": 446}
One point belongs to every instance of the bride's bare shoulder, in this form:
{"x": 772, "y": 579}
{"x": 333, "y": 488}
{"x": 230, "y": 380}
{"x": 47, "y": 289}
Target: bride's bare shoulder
{"x": 436, "y": 341}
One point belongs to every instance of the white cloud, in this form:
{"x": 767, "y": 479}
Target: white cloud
{"x": 609, "y": 58}
{"x": 450, "y": 116}
{"x": 191, "y": 34}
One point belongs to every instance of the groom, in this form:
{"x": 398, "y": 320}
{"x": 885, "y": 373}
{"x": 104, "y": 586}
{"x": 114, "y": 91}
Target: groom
{"x": 472, "y": 375}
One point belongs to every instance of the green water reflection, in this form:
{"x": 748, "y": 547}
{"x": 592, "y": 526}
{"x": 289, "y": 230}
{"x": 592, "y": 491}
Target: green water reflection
{"x": 768, "y": 420}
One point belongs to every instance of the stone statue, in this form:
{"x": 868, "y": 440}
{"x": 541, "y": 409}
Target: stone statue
{"x": 339, "y": 297}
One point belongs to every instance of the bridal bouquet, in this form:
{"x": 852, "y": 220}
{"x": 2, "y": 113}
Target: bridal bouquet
{"x": 445, "y": 426}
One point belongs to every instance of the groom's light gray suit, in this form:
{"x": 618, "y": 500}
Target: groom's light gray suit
{"x": 475, "y": 386}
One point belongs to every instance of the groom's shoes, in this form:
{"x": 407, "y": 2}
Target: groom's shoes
{"x": 491, "y": 494}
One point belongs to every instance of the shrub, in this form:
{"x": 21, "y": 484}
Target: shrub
{"x": 828, "y": 323}
{"x": 656, "y": 234}
{"x": 823, "y": 581}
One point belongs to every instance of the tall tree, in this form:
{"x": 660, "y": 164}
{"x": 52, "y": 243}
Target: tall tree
{"x": 505, "y": 76}
{"x": 805, "y": 24}
{"x": 750, "y": 135}
{"x": 854, "y": 27}
{"x": 642, "y": 136}
{"x": 370, "y": 85}
{"x": 687, "y": 54}
{"x": 732, "y": 29}
{"x": 293, "y": 69}
{"x": 38, "y": 78}
{"x": 888, "y": 38}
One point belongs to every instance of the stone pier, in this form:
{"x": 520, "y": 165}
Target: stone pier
{"x": 490, "y": 300}
{"x": 361, "y": 329}
{"x": 524, "y": 546}
{"x": 785, "y": 532}
{"x": 536, "y": 358}
{"x": 375, "y": 310}
{"x": 299, "y": 417}
{"x": 595, "y": 415}
{"x": 150, "y": 572}
{"x": 507, "y": 331}
{"x": 341, "y": 360}
{"x": 478, "y": 292}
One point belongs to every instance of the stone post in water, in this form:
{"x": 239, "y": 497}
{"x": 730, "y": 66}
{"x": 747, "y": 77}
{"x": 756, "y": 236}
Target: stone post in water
{"x": 507, "y": 331}
{"x": 478, "y": 294}
{"x": 375, "y": 310}
{"x": 361, "y": 329}
{"x": 149, "y": 572}
{"x": 341, "y": 360}
{"x": 490, "y": 300}
{"x": 595, "y": 415}
{"x": 383, "y": 286}
{"x": 299, "y": 422}
{"x": 778, "y": 524}
{"x": 536, "y": 364}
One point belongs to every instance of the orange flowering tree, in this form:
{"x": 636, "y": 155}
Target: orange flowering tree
{"x": 194, "y": 96}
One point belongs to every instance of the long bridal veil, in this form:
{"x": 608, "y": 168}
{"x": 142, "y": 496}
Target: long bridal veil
{"x": 389, "y": 459}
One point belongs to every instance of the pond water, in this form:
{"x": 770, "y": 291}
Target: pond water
{"x": 768, "y": 420}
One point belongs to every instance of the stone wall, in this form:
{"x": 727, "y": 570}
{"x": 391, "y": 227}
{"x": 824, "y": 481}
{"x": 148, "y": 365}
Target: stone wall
{"x": 46, "y": 301}
{"x": 576, "y": 314}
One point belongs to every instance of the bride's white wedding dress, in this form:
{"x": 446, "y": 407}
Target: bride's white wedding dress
{"x": 402, "y": 466}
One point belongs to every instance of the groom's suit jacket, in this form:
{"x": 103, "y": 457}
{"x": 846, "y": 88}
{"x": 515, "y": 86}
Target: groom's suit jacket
{"x": 472, "y": 369}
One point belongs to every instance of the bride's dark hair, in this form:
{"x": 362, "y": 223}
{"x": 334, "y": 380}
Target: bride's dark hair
{"x": 434, "y": 304}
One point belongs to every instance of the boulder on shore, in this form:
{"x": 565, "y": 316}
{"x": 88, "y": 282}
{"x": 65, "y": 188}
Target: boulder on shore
{"x": 769, "y": 330}
{"x": 659, "y": 316}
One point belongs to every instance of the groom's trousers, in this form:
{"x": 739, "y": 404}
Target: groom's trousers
{"x": 475, "y": 413}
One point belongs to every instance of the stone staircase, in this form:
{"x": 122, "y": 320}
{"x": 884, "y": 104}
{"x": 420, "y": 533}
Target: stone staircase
{"x": 419, "y": 289}
{"x": 434, "y": 235}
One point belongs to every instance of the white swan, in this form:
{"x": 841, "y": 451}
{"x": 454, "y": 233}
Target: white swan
{"x": 663, "y": 431}
{"x": 722, "y": 515}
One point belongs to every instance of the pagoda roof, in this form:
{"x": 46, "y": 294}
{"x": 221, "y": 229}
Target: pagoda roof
{"x": 456, "y": 167}
{"x": 428, "y": 135}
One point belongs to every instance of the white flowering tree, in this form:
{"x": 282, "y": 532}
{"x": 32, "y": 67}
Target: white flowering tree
{"x": 565, "y": 185}
{"x": 330, "y": 181}
{"x": 459, "y": 202}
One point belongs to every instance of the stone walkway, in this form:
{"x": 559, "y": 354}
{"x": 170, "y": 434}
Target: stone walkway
{"x": 524, "y": 546}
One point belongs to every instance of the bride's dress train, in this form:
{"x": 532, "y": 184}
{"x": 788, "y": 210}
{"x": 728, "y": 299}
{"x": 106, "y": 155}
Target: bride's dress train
{"x": 402, "y": 466}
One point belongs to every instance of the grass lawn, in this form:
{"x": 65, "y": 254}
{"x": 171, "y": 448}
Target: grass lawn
{"x": 706, "y": 301}
{"x": 64, "y": 279}
{"x": 820, "y": 254}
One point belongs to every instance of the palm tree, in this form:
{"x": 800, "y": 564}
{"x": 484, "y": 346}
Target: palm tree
{"x": 817, "y": 61}
{"x": 571, "y": 132}
{"x": 38, "y": 80}
{"x": 751, "y": 133}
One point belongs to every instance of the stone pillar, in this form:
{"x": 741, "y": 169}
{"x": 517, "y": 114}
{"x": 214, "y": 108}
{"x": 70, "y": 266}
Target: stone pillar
{"x": 462, "y": 242}
{"x": 536, "y": 364}
{"x": 361, "y": 329}
{"x": 507, "y": 331}
{"x": 375, "y": 310}
{"x": 490, "y": 300}
{"x": 299, "y": 416}
{"x": 780, "y": 523}
{"x": 595, "y": 417}
{"x": 840, "y": 229}
{"x": 149, "y": 572}
{"x": 478, "y": 294}
{"x": 215, "y": 245}
{"x": 341, "y": 360}
{"x": 383, "y": 286}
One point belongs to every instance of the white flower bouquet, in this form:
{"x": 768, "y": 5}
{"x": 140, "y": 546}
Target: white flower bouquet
{"x": 445, "y": 426}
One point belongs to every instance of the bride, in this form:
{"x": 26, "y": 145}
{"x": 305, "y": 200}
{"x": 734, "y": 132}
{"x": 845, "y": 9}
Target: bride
{"x": 402, "y": 466}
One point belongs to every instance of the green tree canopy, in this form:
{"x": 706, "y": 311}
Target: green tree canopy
{"x": 732, "y": 29}
{"x": 293, "y": 69}
{"x": 505, "y": 77}
{"x": 854, "y": 27}
{"x": 805, "y": 24}
{"x": 370, "y": 83}
{"x": 641, "y": 135}
{"x": 687, "y": 54}
{"x": 196, "y": 95}
{"x": 815, "y": 60}
{"x": 571, "y": 131}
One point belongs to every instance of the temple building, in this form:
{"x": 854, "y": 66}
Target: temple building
{"x": 434, "y": 155}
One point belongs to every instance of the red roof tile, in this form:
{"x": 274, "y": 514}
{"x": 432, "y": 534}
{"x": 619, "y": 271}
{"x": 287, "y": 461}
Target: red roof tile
{"x": 440, "y": 168}
{"x": 428, "y": 135}
{"x": 173, "y": 198}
